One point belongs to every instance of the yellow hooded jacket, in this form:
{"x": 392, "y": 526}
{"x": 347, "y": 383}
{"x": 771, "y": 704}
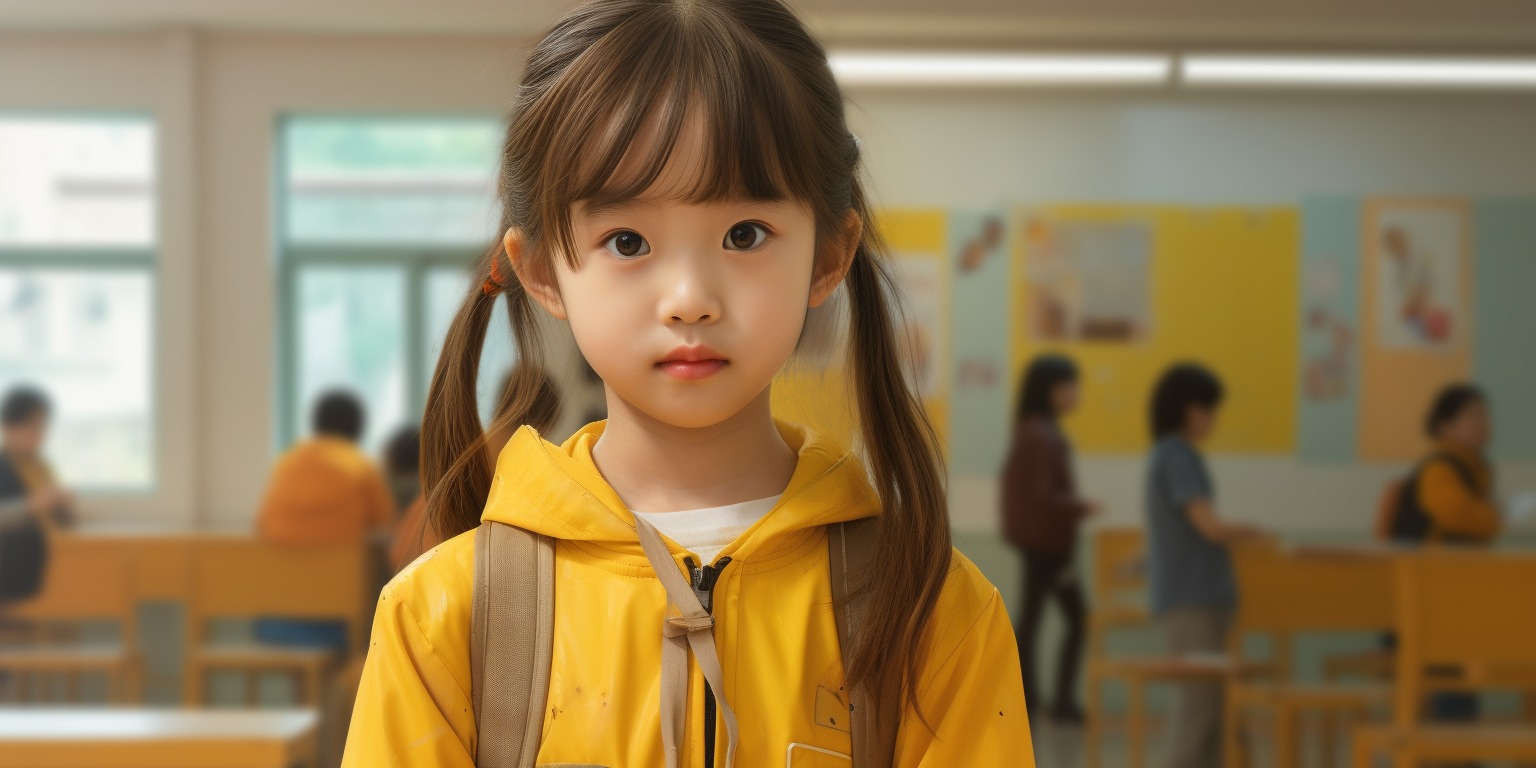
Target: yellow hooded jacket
{"x": 774, "y": 630}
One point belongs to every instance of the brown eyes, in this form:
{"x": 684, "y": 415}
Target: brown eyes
{"x": 628, "y": 244}
{"x": 745, "y": 237}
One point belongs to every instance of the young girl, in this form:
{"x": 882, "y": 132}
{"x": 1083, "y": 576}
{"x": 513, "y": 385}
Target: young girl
{"x": 1042, "y": 511}
{"x": 679, "y": 184}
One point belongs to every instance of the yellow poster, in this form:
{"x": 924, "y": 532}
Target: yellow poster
{"x": 1129, "y": 290}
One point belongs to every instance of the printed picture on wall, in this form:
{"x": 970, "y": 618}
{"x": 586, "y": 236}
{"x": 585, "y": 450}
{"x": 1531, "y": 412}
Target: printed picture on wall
{"x": 1328, "y": 336}
{"x": 979, "y": 241}
{"x": 922, "y": 309}
{"x": 1088, "y": 280}
{"x": 981, "y": 246}
{"x": 1419, "y": 251}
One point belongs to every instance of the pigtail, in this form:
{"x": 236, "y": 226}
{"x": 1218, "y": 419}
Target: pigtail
{"x": 456, "y": 467}
{"x": 906, "y": 468}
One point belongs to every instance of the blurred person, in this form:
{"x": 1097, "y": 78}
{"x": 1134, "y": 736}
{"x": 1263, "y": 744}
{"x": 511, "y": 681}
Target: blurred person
{"x": 402, "y": 467}
{"x": 1448, "y": 497}
{"x": 31, "y": 501}
{"x": 412, "y": 535}
{"x": 1193, "y": 588}
{"x": 1041, "y": 515}
{"x": 325, "y": 490}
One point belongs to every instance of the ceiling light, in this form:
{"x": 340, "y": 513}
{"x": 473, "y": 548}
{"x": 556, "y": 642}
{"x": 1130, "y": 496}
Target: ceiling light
{"x": 1358, "y": 71}
{"x": 923, "y": 69}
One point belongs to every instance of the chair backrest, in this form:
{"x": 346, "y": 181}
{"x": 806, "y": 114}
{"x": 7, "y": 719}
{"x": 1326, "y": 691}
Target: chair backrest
{"x": 248, "y": 577}
{"x": 1464, "y": 620}
{"x": 1289, "y": 590}
{"x": 1119, "y": 565}
{"x": 86, "y": 578}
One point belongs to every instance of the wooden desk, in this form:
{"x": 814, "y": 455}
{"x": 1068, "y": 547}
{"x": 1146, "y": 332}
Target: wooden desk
{"x": 140, "y": 738}
{"x": 230, "y": 574}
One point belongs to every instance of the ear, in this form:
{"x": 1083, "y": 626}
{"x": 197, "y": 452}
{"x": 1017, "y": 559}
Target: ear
{"x": 538, "y": 282}
{"x": 833, "y": 265}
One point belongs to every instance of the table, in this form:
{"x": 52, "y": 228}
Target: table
{"x": 166, "y": 738}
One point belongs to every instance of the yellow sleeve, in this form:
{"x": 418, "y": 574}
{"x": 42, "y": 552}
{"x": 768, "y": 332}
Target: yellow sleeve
{"x": 973, "y": 698}
{"x": 1455, "y": 509}
{"x": 410, "y": 709}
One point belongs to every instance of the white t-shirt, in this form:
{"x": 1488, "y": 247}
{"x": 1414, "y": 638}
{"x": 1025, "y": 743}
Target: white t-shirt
{"x": 705, "y": 532}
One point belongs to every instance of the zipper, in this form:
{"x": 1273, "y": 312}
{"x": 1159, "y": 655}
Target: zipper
{"x": 703, "y": 582}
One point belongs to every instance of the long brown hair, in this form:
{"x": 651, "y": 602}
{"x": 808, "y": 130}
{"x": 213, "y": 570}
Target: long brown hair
{"x": 604, "y": 98}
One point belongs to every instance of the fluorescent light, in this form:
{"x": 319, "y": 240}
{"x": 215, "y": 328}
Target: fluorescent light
{"x": 998, "y": 69}
{"x": 1359, "y": 71}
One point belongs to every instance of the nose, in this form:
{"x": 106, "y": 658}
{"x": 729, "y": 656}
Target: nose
{"x": 691, "y": 292}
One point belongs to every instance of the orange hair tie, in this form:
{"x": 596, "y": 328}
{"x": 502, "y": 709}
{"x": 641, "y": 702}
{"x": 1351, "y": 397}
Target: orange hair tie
{"x": 494, "y": 285}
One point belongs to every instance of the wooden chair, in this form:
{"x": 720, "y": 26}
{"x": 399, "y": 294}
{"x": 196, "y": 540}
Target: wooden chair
{"x": 1119, "y": 601}
{"x": 249, "y": 578}
{"x": 87, "y": 580}
{"x": 1463, "y": 622}
{"x": 1119, "y": 596}
{"x": 1289, "y": 592}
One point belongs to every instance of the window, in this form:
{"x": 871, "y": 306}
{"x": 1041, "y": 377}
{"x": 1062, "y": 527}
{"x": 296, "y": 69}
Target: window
{"x": 381, "y": 219}
{"x": 77, "y": 288}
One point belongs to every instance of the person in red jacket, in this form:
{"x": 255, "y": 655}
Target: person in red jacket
{"x": 1041, "y": 515}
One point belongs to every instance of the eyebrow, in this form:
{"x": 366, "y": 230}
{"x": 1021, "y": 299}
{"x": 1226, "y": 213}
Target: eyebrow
{"x": 602, "y": 207}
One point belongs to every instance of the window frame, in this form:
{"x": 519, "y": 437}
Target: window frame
{"x": 415, "y": 262}
{"x": 416, "y": 259}
{"x": 138, "y": 259}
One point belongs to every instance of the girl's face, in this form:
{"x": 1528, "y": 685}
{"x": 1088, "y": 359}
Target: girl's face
{"x": 687, "y": 311}
{"x": 1471, "y": 428}
{"x": 1064, "y": 398}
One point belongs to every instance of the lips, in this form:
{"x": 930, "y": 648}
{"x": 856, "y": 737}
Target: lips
{"x": 692, "y": 363}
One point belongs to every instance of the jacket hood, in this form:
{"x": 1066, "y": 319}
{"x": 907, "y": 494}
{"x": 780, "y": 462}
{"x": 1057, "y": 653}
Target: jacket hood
{"x": 557, "y": 491}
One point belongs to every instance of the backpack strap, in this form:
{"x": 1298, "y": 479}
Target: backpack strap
{"x": 1463, "y": 472}
{"x": 511, "y": 639}
{"x": 873, "y": 720}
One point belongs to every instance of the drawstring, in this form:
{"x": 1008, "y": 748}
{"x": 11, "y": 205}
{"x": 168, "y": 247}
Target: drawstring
{"x": 692, "y": 628}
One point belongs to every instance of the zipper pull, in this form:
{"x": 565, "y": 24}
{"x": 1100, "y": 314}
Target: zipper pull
{"x": 703, "y": 580}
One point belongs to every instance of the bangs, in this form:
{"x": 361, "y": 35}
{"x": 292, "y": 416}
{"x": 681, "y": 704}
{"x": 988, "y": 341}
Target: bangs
{"x": 660, "y": 80}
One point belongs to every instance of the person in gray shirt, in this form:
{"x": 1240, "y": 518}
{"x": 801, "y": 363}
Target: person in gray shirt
{"x": 1193, "y": 590}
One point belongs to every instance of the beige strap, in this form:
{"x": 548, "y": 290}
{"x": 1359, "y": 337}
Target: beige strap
{"x": 692, "y": 628}
{"x": 512, "y": 621}
{"x": 873, "y": 720}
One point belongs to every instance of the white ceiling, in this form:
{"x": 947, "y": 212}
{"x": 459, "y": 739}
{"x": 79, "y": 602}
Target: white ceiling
{"x": 1507, "y": 24}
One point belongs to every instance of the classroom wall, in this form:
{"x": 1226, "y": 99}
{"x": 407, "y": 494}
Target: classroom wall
{"x": 985, "y": 149}
{"x": 218, "y": 95}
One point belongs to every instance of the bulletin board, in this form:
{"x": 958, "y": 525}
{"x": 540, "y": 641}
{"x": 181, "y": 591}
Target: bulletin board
{"x": 1129, "y": 290}
{"x": 813, "y": 390}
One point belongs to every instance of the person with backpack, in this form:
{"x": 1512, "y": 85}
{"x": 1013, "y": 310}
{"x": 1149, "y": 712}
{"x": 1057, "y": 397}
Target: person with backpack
{"x": 1448, "y": 497}
{"x": 690, "y": 582}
